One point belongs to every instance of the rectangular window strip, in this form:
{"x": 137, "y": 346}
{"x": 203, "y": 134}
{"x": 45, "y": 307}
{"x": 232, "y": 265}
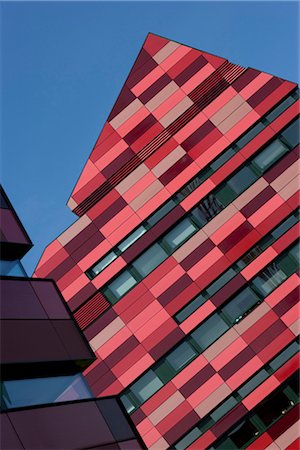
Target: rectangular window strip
{"x": 262, "y": 417}
{"x": 237, "y": 396}
{"x": 230, "y": 273}
{"x": 200, "y": 215}
{"x": 205, "y": 334}
{"x": 189, "y": 187}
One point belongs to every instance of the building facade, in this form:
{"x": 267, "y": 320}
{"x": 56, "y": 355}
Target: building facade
{"x": 45, "y": 400}
{"x": 182, "y": 267}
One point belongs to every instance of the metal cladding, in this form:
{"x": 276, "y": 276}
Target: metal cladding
{"x": 182, "y": 268}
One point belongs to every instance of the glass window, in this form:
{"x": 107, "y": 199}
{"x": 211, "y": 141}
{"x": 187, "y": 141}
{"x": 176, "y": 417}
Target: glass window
{"x": 179, "y": 234}
{"x": 179, "y": 357}
{"x": 190, "y": 308}
{"x": 286, "y": 225}
{"x": 162, "y": 212}
{"x": 242, "y": 180}
{"x": 284, "y": 356}
{"x": 243, "y": 433}
{"x": 273, "y": 408}
{"x": 222, "y": 159}
{"x": 38, "y": 391}
{"x": 280, "y": 108}
{"x": 12, "y": 268}
{"x": 269, "y": 279}
{"x": 191, "y": 186}
{"x": 240, "y": 304}
{"x": 129, "y": 406}
{"x": 269, "y": 155}
{"x": 188, "y": 439}
{"x": 250, "y": 256}
{"x": 250, "y": 135}
{"x": 164, "y": 371}
{"x": 225, "y": 195}
{"x": 149, "y": 260}
{"x": 206, "y": 210}
{"x": 255, "y": 381}
{"x": 291, "y": 134}
{"x": 132, "y": 238}
{"x": 146, "y": 386}
{"x": 210, "y": 331}
{"x": 221, "y": 281}
{"x": 122, "y": 284}
{"x": 102, "y": 264}
{"x": 223, "y": 409}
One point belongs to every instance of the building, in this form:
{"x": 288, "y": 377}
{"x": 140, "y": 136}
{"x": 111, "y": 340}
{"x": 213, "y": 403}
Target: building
{"x": 181, "y": 269}
{"x": 45, "y": 400}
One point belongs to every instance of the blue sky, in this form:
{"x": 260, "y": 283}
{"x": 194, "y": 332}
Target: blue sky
{"x": 64, "y": 63}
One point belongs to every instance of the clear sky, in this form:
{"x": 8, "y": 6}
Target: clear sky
{"x": 64, "y": 63}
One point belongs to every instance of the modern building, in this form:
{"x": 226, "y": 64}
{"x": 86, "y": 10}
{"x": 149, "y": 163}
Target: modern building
{"x": 182, "y": 267}
{"x": 45, "y": 400}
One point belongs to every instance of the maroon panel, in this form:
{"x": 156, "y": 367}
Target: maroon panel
{"x": 81, "y": 237}
{"x": 176, "y": 169}
{"x": 50, "y": 298}
{"x": 118, "y": 163}
{"x": 110, "y": 212}
{"x": 166, "y": 344}
{"x": 140, "y": 129}
{"x": 190, "y": 70}
{"x": 197, "y": 380}
{"x": 196, "y": 137}
{"x": 155, "y": 88}
{"x": 168, "y": 221}
{"x": 245, "y": 79}
{"x": 130, "y": 344}
{"x": 139, "y": 246}
{"x": 287, "y": 303}
{"x": 236, "y": 363}
{"x": 137, "y": 416}
{"x": 140, "y": 73}
{"x": 81, "y": 296}
{"x": 228, "y": 290}
{"x": 181, "y": 427}
{"x": 268, "y": 336}
{"x": 258, "y": 201}
{"x": 226, "y": 422}
{"x": 100, "y": 323}
{"x": 235, "y": 237}
{"x": 123, "y": 100}
{"x": 280, "y": 167}
{"x": 264, "y": 91}
{"x": 197, "y": 254}
{"x": 61, "y": 269}
{"x": 74, "y": 342}
{"x": 174, "y": 290}
{"x": 98, "y": 371}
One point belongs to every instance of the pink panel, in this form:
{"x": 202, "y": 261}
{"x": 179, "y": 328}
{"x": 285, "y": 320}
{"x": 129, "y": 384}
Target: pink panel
{"x": 283, "y": 290}
{"x": 263, "y": 212}
{"x": 228, "y": 354}
{"x": 167, "y": 281}
{"x": 207, "y": 261}
{"x": 157, "y": 399}
{"x": 291, "y": 315}
{"x": 74, "y": 287}
{"x": 190, "y": 127}
{"x": 255, "y": 85}
{"x": 149, "y": 79}
{"x": 174, "y": 417}
{"x": 114, "y": 342}
{"x": 274, "y": 97}
{"x": 182, "y": 178}
{"x": 135, "y": 369}
{"x": 228, "y": 227}
{"x": 242, "y": 126}
{"x": 260, "y": 326}
{"x": 169, "y": 104}
{"x": 259, "y": 263}
{"x": 276, "y": 345}
{"x": 219, "y": 102}
{"x": 142, "y": 318}
{"x": 179, "y": 53}
{"x": 286, "y": 117}
{"x": 205, "y": 390}
{"x": 213, "y": 150}
{"x": 198, "y": 78}
{"x": 244, "y": 372}
{"x": 197, "y": 195}
{"x": 197, "y": 317}
{"x": 152, "y": 324}
{"x": 188, "y": 372}
{"x": 261, "y": 392}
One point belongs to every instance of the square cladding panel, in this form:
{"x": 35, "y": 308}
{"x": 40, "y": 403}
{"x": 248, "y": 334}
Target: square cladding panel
{"x": 182, "y": 267}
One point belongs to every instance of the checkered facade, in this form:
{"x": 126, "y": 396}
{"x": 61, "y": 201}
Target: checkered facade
{"x": 181, "y": 268}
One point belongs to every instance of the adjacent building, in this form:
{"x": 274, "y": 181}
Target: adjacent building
{"x": 45, "y": 400}
{"x": 182, "y": 267}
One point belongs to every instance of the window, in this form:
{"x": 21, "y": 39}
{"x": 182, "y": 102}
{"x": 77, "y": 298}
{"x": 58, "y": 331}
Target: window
{"x": 221, "y": 281}
{"x": 38, "y": 391}
{"x": 188, "y": 439}
{"x": 291, "y": 134}
{"x": 102, "y": 264}
{"x": 225, "y": 195}
{"x": 240, "y": 304}
{"x": 222, "y": 159}
{"x": 132, "y": 238}
{"x": 273, "y": 408}
{"x": 269, "y": 279}
{"x": 242, "y": 180}
{"x": 242, "y": 434}
{"x": 120, "y": 286}
{"x": 209, "y": 332}
{"x": 280, "y": 108}
{"x": 255, "y": 381}
{"x": 179, "y": 357}
{"x": 12, "y": 268}
{"x": 269, "y": 155}
{"x": 179, "y": 234}
{"x": 286, "y": 354}
{"x": 162, "y": 212}
{"x": 223, "y": 408}
{"x": 190, "y": 308}
{"x": 250, "y": 135}
{"x": 146, "y": 386}
{"x": 149, "y": 260}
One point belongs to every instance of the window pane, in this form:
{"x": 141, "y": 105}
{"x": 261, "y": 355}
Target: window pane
{"x": 269, "y": 279}
{"x": 222, "y": 159}
{"x": 242, "y": 180}
{"x": 163, "y": 211}
{"x": 250, "y": 135}
{"x": 221, "y": 281}
{"x": 280, "y": 108}
{"x": 240, "y": 304}
{"x": 38, "y": 391}
{"x": 102, "y": 264}
{"x": 131, "y": 239}
{"x": 181, "y": 356}
{"x": 270, "y": 155}
{"x": 291, "y": 134}
{"x": 273, "y": 408}
{"x": 149, "y": 260}
{"x": 290, "y": 351}
{"x": 129, "y": 406}
{"x": 210, "y": 331}
{"x": 188, "y": 439}
{"x": 189, "y": 309}
{"x": 12, "y": 268}
{"x": 191, "y": 186}
{"x": 223, "y": 409}
{"x": 243, "y": 433}
{"x": 255, "y": 381}
{"x": 180, "y": 233}
{"x": 250, "y": 256}
{"x": 146, "y": 386}
{"x": 122, "y": 284}
{"x": 207, "y": 210}
{"x": 286, "y": 225}
{"x": 225, "y": 195}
